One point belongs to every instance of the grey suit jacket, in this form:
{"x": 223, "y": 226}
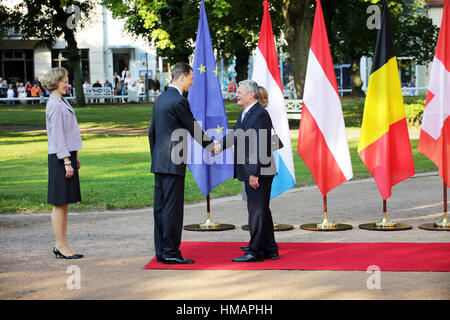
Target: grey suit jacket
{"x": 63, "y": 133}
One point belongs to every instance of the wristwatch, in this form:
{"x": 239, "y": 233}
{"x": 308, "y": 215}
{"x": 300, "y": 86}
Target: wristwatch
{"x": 67, "y": 163}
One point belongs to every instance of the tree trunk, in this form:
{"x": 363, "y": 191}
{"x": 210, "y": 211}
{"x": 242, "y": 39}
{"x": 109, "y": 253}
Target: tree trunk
{"x": 355, "y": 74}
{"x": 74, "y": 57}
{"x": 297, "y": 32}
{"x": 73, "y": 54}
{"x": 242, "y": 55}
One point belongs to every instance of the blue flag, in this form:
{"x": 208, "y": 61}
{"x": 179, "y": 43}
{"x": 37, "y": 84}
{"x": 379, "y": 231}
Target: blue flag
{"x": 207, "y": 106}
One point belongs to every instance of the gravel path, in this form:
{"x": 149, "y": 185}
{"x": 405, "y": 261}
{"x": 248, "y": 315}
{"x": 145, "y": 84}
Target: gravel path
{"x": 118, "y": 244}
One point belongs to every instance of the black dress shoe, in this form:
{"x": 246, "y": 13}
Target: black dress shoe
{"x": 247, "y": 257}
{"x": 180, "y": 260}
{"x": 245, "y": 248}
{"x": 272, "y": 256}
{"x": 58, "y": 254}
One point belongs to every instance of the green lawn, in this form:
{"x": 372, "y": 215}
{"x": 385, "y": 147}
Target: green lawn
{"x": 115, "y": 169}
{"x": 94, "y": 115}
{"x": 115, "y": 172}
{"x": 138, "y": 115}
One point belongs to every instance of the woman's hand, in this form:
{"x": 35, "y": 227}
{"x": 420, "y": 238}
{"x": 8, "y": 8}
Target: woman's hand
{"x": 69, "y": 171}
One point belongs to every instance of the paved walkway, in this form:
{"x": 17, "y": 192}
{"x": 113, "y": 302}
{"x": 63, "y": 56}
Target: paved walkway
{"x": 352, "y": 133}
{"x": 117, "y": 245}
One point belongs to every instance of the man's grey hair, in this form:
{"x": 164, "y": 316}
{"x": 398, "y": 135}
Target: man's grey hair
{"x": 250, "y": 86}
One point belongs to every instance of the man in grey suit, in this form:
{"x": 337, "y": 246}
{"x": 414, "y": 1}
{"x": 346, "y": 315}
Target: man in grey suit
{"x": 171, "y": 112}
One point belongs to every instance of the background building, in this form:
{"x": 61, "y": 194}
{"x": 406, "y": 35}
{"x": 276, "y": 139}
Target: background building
{"x": 104, "y": 46}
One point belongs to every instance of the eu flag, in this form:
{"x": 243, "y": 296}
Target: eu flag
{"x": 207, "y": 106}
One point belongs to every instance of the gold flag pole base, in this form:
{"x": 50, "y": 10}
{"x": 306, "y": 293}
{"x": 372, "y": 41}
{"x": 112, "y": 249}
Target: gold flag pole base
{"x": 385, "y": 224}
{"x": 209, "y": 224}
{"x": 276, "y": 227}
{"x": 444, "y": 224}
{"x": 326, "y": 225}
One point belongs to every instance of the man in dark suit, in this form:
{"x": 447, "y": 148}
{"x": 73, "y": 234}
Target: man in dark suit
{"x": 171, "y": 122}
{"x": 255, "y": 165}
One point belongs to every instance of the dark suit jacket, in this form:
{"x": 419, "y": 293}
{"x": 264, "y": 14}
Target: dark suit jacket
{"x": 171, "y": 111}
{"x": 256, "y": 162}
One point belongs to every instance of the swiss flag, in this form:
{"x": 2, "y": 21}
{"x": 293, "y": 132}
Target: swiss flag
{"x": 434, "y": 138}
{"x": 322, "y": 139}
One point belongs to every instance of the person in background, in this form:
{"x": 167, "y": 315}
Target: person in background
{"x": 125, "y": 74}
{"x": 232, "y": 86}
{"x": 36, "y": 92}
{"x": 291, "y": 87}
{"x": 156, "y": 84}
{"x": 133, "y": 92}
{"x": 86, "y": 87}
{"x": 141, "y": 88}
{"x": 108, "y": 84}
{"x": 128, "y": 80}
{"x": 22, "y": 93}
{"x": 10, "y": 94}
{"x": 28, "y": 90}
{"x": 97, "y": 84}
{"x": 118, "y": 88}
{"x": 116, "y": 79}
{"x": 64, "y": 143}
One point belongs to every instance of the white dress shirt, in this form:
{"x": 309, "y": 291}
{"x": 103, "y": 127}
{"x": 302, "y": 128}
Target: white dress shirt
{"x": 179, "y": 90}
{"x": 247, "y": 110}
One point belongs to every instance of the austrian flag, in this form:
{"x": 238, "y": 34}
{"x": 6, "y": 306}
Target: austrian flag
{"x": 322, "y": 139}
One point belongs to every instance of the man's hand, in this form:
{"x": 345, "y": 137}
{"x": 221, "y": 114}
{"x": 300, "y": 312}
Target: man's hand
{"x": 253, "y": 182}
{"x": 216, "y": 148}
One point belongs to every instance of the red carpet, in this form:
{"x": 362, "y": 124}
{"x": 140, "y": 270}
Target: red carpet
{"x": 388, "y": 256}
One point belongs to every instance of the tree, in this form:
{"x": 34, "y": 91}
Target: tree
{"x": 413, "y": 34}
{"x": 48, "y": 21}
{"x": 298, "y": 16}
{"x": 171, "y": 26}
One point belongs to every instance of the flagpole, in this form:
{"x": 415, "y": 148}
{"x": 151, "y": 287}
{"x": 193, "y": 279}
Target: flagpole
{"x": 444, "y": 223}
{"x": 385, "y": 224}
{"x": 209, "y": 224}
{"x": 325, "y": 224}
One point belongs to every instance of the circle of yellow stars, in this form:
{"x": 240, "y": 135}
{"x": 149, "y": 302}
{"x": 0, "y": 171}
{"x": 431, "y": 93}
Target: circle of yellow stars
{"x": 202, "y": 69}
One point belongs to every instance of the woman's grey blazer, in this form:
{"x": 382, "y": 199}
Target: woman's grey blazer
{"x": 62, "y": 128}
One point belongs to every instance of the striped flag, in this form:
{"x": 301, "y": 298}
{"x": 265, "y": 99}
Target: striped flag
{"x": 434, "y": 138}
{"x": 384, "y": 144}
{"x": 266, "y": 73}
{"x": 322, "y": 140}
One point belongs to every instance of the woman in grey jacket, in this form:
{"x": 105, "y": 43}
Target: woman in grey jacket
{"x": 64, "y": 141}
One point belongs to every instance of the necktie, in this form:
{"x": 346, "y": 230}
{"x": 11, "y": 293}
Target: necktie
{"x": 243, "y": 115}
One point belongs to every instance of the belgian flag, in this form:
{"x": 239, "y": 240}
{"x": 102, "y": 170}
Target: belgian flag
{"x": 384, "y": 145}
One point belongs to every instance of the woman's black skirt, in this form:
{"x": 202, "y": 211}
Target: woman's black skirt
{"x": 60, "y": 189}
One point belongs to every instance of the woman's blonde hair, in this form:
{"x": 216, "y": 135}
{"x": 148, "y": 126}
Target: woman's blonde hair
{"x": 52, "y": 77}
{"x": 263, "y": 96}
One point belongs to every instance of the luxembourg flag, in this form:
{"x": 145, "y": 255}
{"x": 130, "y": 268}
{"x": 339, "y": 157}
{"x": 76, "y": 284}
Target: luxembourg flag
{"x": 266, "y": 73}
{"x": 434, "y": 140}
{"x": 322, "y": 139}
